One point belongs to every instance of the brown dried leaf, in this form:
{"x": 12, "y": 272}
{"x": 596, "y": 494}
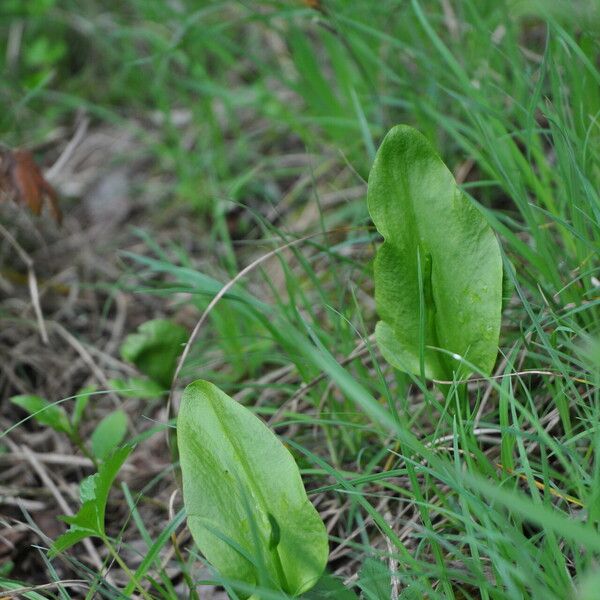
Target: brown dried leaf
{"x": 314, "y": 4}
{"x": 22, "y": 181}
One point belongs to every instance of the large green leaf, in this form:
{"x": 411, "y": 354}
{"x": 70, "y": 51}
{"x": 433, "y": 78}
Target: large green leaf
{"x": 438, "y": 274}
{"x": 247, "y": 507}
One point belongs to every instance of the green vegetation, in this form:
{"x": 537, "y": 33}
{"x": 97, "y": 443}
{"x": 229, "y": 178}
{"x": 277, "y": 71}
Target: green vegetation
{"x": 438, "y": 275}
{"x": 246, "y": 506}
{"x": 234, "y": 140}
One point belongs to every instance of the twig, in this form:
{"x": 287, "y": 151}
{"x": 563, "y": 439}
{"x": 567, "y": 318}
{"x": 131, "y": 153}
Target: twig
{"x": 193, "y": 595}
{"x": 87, "y": 359}
{"x": 393, "y": 562}
{"x": 515, "y": 374}
{"x": 62, "y": 160}
{"x": 30, "y": 505}
{"x": 488, "y": 392}
{"x": 51, "y": 458}
{"x": 450, "y": 20}
{"x": 44, "y": 586}
{"x": 13, "y": 47}
{"x": 31, "y": 280}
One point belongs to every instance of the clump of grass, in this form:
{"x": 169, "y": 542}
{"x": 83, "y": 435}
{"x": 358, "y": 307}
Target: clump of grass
{"x": 268, "y": 119}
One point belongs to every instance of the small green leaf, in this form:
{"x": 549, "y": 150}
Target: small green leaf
{"x": 109, "y": 433}
{"x": 89, "y": 520}
{"x": 154, "y": 349}
{"x": 44, "y": 412}
{"x": 329, "y": 588}
{"x": 81, "y": 402}
{"x": 438, "y": 274}
{"x": 70, "y": 538}
{"x": 247, "y": 507}
{"x": 44, "y": 52}
{"x": 374, "y": 580}
{"x": 137, "y": 387}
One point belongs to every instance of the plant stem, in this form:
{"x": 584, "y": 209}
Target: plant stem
{"x": 77, "y": 441}
{"x": 188, "y": 580}
{"x": 125, "y": 568}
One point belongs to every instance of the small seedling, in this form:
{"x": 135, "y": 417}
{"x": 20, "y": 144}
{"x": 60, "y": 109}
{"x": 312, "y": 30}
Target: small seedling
{"x": 108, "y": 434}
{"x": 154, "y": 349}
{"x": 89, "y": 521}
{"x": 44, "y": 412}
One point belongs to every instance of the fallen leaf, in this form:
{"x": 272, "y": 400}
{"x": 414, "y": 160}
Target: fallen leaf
{"x": 315, "y": 4}
{"x": 22, "y": 181}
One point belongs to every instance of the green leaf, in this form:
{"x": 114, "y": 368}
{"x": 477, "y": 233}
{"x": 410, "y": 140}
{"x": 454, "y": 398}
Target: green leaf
{"x": 374, "y": 580}
{"x": 70, "y": 538}
{"x": 247, "y": 507}
{"x": 109, "y": 433}
{"x": 154, "y": 349}
{"x": 44, "y": 412}
{"x": 89, "y": 520}
{"x": 588, "y": 588}
{"x": 438, "y": 274}
{"x": 137, "y": 387}
{"x": 330, "y": 588}
{"x": 44, "y": 52}
{"x": 81, "y": 402}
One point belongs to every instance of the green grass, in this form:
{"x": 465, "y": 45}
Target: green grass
{"x": 286, "y": 106}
